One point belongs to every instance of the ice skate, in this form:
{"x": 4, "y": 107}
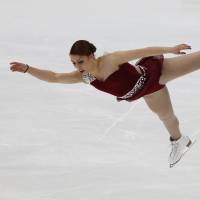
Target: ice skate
{"x": 179, "y": 148}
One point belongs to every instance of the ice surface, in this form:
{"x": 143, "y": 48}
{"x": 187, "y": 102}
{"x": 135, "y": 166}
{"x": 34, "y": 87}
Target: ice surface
{"x": 61, "y": 142}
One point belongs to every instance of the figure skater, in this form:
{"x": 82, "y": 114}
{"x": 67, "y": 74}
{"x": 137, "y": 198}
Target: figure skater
{"x": 113, "y": 74}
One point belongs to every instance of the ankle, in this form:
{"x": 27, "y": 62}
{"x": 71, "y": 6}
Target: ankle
{"x": 174, "y": 138}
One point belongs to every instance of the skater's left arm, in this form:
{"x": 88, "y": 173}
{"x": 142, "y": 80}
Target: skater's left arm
{"x": 120, "y": 57}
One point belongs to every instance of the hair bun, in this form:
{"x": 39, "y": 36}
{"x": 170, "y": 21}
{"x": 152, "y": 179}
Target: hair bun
{"x": 82, "y": 47}
{"x": 92, "y": 48}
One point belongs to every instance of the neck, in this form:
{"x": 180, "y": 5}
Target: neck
{"x": 95, "y": 67}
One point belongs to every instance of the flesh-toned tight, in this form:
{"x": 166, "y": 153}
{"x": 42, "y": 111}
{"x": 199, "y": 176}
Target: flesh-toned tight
{"x": 159, "y": 102}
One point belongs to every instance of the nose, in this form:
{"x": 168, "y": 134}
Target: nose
{"x": 79, "y": 67}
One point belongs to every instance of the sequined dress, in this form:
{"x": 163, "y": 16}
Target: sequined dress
{"x": 127, "y": 83}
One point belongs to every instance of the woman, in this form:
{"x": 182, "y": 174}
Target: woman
{"x": 113, "y": 74}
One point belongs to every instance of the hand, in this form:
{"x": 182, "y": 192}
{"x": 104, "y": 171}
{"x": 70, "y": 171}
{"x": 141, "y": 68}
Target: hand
{"x": 19, "y": 67}
{"x": 177, "y": 49}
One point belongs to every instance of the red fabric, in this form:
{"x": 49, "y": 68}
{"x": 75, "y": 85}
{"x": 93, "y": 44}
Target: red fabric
{"x": 124, "y": 79}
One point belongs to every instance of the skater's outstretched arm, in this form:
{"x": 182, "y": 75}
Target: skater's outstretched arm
{"x": 120, "y": 57}
{"x": 46, "y": 75}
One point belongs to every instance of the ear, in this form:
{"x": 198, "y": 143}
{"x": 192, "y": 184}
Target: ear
{"x": 91, "y": 55}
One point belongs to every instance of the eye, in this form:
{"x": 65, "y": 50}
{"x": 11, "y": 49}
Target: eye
{"x": 80, "y": 62}
{"x": 73, "y": 63}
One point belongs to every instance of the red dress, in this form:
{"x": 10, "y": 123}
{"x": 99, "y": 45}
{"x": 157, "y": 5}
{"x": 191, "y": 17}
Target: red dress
{"x": 126, "y": 83}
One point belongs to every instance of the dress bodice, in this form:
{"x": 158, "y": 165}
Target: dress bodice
{"x": 118, "y": 83}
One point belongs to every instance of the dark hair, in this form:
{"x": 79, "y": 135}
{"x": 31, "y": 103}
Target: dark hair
{"x": 82, "y": 48}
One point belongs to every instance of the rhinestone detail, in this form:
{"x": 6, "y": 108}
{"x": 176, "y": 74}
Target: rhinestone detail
{"x": 138, "y": 86}
{"x": 87, "y": 77}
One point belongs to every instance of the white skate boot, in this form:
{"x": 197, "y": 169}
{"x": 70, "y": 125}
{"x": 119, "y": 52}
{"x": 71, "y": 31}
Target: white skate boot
{"x": 179, "y": 148}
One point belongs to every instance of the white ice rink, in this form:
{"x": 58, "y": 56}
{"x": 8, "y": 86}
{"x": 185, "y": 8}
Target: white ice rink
{"x": 73, "y": 142}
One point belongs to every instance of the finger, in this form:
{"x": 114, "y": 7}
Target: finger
{"x": 13, "y": 63}
{"x": 187, "y": 46}
{"x": 12, "y": 69}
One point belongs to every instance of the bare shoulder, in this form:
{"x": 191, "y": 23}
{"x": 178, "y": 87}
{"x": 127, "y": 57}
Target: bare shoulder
{"x": 115, "y": 58}
{"x": 70, "y": 77}
{"x": 108, "y": 60}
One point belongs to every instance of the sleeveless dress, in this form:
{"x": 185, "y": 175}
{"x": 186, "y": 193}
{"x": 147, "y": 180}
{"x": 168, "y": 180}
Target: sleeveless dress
{"x": 127, "y": 83}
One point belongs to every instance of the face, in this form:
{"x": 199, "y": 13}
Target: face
{"x": 81, "y": 63}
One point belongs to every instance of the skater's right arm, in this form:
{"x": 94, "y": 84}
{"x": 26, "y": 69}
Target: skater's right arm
{"x": 46, "y": 75}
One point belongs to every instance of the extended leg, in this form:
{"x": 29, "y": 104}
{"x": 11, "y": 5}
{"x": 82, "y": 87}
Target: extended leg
{"x": 179, "y": 66}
